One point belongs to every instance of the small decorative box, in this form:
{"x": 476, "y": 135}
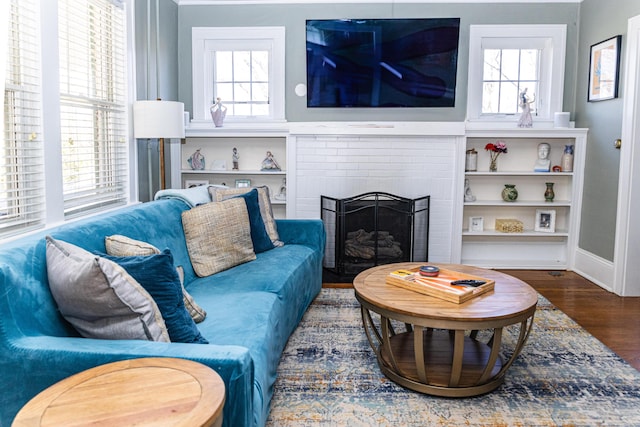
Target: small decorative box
{"x": 509, "y": 225}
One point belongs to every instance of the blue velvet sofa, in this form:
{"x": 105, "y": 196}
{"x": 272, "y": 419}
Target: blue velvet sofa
{"x": 251, "y": 310}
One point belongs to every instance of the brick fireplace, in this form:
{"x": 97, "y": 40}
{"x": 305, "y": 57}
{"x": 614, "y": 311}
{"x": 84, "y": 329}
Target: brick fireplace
{"x": 409, "y": 159}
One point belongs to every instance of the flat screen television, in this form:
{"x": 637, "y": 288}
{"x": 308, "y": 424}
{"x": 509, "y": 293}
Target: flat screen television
{"x": 384, "y": 63}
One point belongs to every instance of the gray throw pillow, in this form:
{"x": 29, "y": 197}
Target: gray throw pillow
{"x": 99, "y": 298}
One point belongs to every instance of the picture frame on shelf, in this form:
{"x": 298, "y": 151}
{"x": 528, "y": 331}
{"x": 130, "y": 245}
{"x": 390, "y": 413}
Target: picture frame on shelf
{"x": 219, "y": 165}
{"x": 545, "y": 220}
{"x": 604, "y": 69}
{"x": 243, "y": 183}
{"x": 190, "y": 183}
{"x": 476, "y": 223}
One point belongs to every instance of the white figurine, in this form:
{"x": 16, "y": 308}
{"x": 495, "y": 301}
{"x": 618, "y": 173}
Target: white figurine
{"x": 543, "y": 164}
{"x": 468, "y": 195}
{"x": 525, "y": 103}
{"x": 269, "y": 163}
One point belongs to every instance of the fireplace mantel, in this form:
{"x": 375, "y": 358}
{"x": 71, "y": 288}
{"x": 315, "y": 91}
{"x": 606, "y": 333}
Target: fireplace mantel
{"x": 378, "y": 128}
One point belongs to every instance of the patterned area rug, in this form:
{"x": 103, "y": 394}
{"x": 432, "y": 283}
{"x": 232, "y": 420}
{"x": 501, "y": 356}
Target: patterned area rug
{"x": 328, "y": 376}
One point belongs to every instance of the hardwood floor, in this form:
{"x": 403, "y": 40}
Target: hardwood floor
{"x": 614, "y": 320}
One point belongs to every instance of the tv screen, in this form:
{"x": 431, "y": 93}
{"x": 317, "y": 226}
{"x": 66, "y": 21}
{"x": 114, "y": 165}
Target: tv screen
{"x": 382, "y": 62}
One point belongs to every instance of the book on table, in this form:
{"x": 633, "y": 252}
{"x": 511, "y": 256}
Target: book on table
{"x": 441, "y": 286}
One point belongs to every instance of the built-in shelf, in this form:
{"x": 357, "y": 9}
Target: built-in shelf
{"x": 530, "y": 249}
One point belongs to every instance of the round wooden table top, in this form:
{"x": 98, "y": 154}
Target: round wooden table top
{"x": 510, "y": 298}
{"x": 141, "y": 392}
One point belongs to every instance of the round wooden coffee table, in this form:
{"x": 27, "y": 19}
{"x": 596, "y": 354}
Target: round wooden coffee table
{"x": 446, "y": 349}
{"x": 141, "y": 392}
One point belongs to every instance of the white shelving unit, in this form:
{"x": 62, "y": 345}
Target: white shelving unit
{"x": 529, "y": 249}
{"x": 252, "y": 143}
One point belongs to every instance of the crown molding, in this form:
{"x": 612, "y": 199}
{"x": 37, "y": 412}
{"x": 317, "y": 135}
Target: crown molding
{"x": 243, "y": 2}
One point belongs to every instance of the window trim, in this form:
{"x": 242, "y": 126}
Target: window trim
{"x": 204, "y": 41}
{"x": 550, "y": 38}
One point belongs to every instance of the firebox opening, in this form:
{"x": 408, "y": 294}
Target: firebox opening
{"x": 372, "y": 229}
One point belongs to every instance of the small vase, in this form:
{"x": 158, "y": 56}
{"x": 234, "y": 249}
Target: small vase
{"x": 567, "y": 159}
{"x": 549, "y": 195}
{"x": 493, "y": 165}
{"x": 509, "y": 193}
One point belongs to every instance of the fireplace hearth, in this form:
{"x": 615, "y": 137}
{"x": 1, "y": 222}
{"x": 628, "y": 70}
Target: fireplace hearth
{"x": 372, "y": 229}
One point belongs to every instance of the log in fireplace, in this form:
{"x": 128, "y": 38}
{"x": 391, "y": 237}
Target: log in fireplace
{"x": 372, "y": 229}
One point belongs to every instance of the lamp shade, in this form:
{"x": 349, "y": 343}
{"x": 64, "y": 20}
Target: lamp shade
{"x": 158, "y": 119}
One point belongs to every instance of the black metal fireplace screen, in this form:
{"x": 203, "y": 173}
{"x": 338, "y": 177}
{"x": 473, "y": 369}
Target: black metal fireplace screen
{"x": 373, "y": 229}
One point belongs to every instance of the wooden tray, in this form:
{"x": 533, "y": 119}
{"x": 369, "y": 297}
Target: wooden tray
{"x": 440, "y": 287}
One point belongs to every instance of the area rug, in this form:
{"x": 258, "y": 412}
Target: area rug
{"x": 328, "y": 376}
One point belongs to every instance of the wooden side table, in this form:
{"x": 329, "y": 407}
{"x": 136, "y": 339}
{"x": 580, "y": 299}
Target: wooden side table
{"x": 141, "y": 392}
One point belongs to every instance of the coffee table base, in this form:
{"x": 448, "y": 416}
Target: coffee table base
{"x": 440, "y": 362}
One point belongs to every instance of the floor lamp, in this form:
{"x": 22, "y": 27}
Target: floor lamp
{"x": 158, "y": 119}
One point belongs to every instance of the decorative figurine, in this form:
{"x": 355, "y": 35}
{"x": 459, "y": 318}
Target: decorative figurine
{"x": 282, "y": 195}
{"x": 543, "y": 164}
{"x": 218, "y": 113}
{"x": 269, "y": 163}
{"x": 196, "y": 161}
{"x": 468, "y": 195}
{"x": 235, "y": 156}
{"x": 525, "y": 103}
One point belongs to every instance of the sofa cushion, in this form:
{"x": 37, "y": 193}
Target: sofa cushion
{"x": 218, "y": 236}
{"x": 264, "y": 200}
{"x": 259, "y": 236}
{"x": 157, "y": 274}
{"x": 99, "y": 298}
{"x": 119, "y": 245}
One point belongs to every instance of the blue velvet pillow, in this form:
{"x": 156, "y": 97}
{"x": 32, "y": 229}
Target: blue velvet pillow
{"x": 259, "y": 236}
{"x": 158, "y": 276}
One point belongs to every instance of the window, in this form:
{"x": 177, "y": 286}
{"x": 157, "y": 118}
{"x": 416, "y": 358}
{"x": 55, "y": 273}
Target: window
{"x": 65, "y": 143}
{"x": 513, "y": 59}
{"x": 21, "y": 159}
{"x": 506, "y": 73}
{"x": 244, "y": 67}
{"x": 242, "y": 79}
{"x": 92, "y": 104}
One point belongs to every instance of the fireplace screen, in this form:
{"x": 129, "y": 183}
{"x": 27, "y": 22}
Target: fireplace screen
{"x": 373, "y": 229}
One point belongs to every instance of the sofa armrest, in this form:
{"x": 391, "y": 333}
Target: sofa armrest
{"x": 52, "y": 359}
{"x": 308, "y": 232}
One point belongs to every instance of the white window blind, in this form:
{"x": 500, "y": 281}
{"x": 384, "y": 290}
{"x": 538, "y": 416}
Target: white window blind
{"x": 92, "y": 53}
{"x": 21, "y": 159}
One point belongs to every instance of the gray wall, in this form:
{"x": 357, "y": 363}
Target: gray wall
{"x": 293, "y": 17}
{"x": 599, "y": 21}
{"x": 152, "y": 83}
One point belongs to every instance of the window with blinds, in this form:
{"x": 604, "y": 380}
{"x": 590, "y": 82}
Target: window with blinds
{"x": 21, "y": 160}
{"x": 92, "y": 104}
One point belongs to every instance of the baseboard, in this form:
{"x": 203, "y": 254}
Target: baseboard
{"x": 594, "y": 268}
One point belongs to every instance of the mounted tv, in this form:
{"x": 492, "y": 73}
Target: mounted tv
{"x": 388, "y": 63}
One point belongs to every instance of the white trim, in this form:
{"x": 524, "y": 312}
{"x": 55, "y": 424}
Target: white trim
{"x": 593, "y": 268}
{"x": 626, "y": 248}
{"x": 203, "y": 40}
{"x": 552, "y": 61}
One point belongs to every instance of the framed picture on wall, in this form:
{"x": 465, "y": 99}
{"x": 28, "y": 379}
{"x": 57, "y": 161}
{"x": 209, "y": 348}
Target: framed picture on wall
{"x": 604, "y": 69}
{"x": 545, "y": 220}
